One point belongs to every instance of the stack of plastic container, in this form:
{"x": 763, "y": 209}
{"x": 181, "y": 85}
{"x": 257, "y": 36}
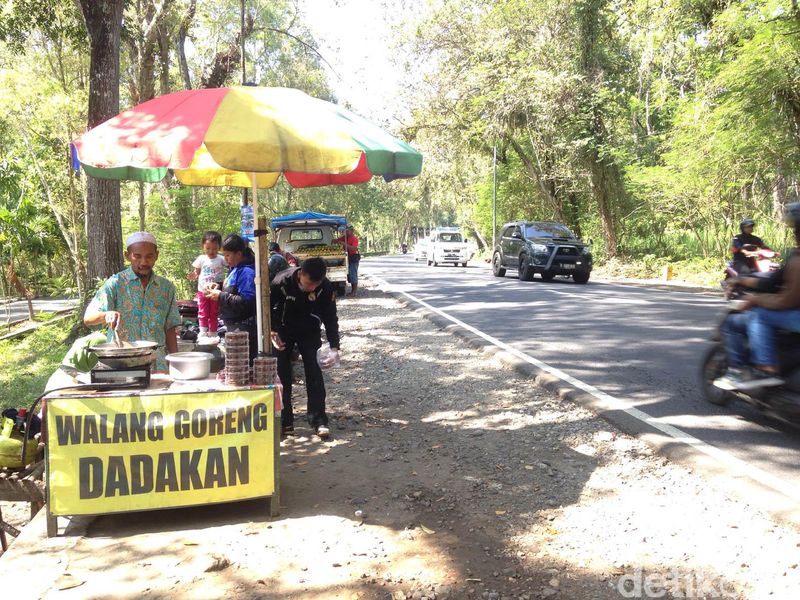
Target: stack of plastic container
{"x": 237, "y": 358}
{"x": 265, "y": 370}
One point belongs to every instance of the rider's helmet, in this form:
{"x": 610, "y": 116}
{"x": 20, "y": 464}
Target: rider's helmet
{"x": 791, "y": 214}
{"x": 746, "y": 223}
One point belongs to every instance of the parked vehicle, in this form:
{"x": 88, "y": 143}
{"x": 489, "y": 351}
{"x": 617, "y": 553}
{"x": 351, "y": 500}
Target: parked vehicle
{"x": 447, "y": 245}
{"x": 548, "y": 249}
{"x": 421, "y": 249}
{"x": 781, "y": 402}
{"x": 310, "y": 234}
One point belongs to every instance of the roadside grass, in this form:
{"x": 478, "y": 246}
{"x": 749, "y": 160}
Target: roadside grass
{"x": 27, "y": 363}
{"x": 696, "y": 271}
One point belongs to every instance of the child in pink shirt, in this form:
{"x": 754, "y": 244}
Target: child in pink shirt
{"x": 208, "y": 271}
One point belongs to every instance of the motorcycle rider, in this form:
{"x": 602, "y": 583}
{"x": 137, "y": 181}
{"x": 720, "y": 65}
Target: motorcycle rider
{"x": 750, "y": 336}
{"x": 742, "y": 258}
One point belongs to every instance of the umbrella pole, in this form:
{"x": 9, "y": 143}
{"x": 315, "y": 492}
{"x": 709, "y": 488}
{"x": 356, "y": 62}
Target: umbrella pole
{"x": 259, "y": 310}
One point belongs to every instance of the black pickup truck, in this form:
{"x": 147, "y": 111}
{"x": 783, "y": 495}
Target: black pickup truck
{"x": 549, "y": 249}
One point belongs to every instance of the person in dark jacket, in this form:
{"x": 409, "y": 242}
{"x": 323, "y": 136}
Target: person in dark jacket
{"x": 742, "y": 256}
{"x": 302, "y": 299}
{"x": 276, "y": 262}
{"x": 237, "y": 298}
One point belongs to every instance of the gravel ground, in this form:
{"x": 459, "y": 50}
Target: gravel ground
{"x": 447, "y": 476}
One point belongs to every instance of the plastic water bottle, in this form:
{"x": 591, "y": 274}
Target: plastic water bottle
{"x": 248, "y": 222}
{"x": 21, "y": 414}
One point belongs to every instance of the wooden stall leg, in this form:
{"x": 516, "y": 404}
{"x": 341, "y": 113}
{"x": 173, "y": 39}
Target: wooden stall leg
{"x": 52, "y": 524}
{"x": 3, "y": 541}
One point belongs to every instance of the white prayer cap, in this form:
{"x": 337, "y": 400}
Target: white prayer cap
{"x": 138, "y": 237}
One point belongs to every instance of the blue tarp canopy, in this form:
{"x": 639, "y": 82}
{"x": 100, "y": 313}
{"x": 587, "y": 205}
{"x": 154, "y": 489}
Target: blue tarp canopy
{"x": 310, "y": 217}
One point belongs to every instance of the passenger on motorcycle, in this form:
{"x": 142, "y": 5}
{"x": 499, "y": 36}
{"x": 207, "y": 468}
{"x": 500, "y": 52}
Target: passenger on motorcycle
{"x": 750, "y": 336}
{"x": 742, "y": 256}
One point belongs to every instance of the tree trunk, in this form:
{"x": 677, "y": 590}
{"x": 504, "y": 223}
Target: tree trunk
{"x": 142, "y": 211}
{"x": 605, "y": 188}
{"x": 72, "y": 241}
{"x": 535, "y": 172}
{"x": 75, "y": 231}
{"x": 573, "y": 219}
{"x": 780, "y": 192}
{"x": 606, "y": 177}
{"x": 183, "y": 32}
{"x": 103, "y": 212}
{"x": 163, "y": 53}
{"x": 481, "y": 239}
{"x": 18, "y": 285}
{"x": 227, "y": 60}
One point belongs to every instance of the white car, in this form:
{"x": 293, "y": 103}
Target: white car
{"x": 421, "y": 249}
{"x": 447, "y": 245}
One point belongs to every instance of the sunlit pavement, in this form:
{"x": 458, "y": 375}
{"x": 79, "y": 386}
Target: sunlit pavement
{"x": 642, "y": 346}
{"x": 17, "y": 310}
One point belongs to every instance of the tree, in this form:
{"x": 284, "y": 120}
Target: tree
{"x": 103, "y": 20}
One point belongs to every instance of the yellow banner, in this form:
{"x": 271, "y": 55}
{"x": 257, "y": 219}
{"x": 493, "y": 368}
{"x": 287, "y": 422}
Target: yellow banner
{"x": 117, "y": 454}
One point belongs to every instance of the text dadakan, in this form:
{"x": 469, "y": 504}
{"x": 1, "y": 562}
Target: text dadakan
{"x": 165, "y": 471}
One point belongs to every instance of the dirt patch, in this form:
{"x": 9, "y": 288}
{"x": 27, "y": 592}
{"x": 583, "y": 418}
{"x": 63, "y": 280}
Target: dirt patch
{"x": 447, "y": 476}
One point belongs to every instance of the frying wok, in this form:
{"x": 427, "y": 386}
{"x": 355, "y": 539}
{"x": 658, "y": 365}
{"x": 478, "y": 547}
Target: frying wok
{"x": 111, "y": 350}
{"x": 131, "y": 354}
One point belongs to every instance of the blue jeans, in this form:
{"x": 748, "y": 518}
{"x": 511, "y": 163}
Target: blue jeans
{"x": 750, "y": 336}
{"x": 352, "y": 270}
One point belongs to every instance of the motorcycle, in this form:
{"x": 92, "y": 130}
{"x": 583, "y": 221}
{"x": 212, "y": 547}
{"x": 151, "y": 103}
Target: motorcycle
{"x": 759, "y": 261}
{"x": 781, "y": 402}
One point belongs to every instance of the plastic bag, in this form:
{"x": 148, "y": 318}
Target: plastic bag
{"x": 79, "y": 356}
{"x": 11, "y": 447}
{"x": 328, "y": 358}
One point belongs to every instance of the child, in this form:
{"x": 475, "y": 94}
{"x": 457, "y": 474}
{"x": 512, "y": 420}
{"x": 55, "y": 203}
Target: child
{"x": 208, "y": 269}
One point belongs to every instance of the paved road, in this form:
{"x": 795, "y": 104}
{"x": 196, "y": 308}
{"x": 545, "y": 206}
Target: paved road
{"x": 639, "y": 345}
{"x": 18, "y": 309}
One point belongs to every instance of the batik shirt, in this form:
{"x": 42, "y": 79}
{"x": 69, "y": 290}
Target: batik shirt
{"x": 146, "y": 313}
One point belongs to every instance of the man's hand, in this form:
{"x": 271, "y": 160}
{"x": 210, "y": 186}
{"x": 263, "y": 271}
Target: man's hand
{"x": 277, "y": 341}
{"x": 112, "y": 318}
{"x": 748, "y": 301}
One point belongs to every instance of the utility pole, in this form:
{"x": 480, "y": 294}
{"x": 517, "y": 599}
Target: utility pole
{"x": 244, "y": 80}
{"x": 244, "y": 71}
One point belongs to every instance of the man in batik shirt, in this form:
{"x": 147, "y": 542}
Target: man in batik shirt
{"x": 136, "y": 302}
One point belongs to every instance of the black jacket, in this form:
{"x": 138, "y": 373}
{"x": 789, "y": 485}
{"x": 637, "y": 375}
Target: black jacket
{"x": 745, "y": 239}
{"x": 296, "y": 313}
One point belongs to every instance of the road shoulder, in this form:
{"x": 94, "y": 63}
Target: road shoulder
{"x": 468, "y": 482}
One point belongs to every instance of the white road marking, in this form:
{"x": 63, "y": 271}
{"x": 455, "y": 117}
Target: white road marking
{"x": 610, "y": 402}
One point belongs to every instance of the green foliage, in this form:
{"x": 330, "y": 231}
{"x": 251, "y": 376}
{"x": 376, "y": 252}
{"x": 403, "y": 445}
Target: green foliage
{"x": 28, "y": 362}
{"x": 652, "y": 128}
{"x": 20, "y": 19}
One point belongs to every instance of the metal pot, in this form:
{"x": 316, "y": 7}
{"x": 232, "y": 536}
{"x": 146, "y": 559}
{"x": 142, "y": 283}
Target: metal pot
{"x": 189, "y": 365}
